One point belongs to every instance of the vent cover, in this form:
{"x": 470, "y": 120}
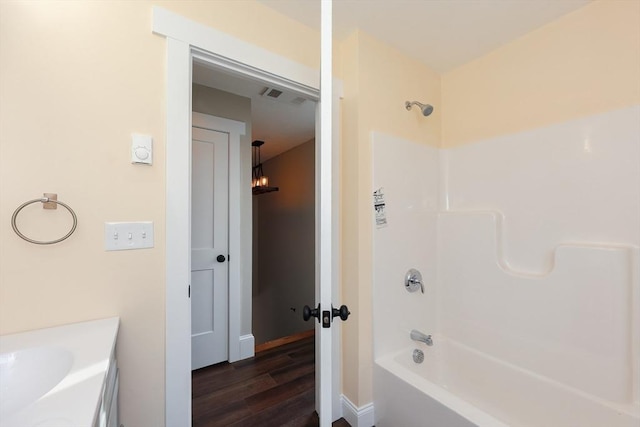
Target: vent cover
{"x": 272, "y": 93}
{"x": 282, "y": 96}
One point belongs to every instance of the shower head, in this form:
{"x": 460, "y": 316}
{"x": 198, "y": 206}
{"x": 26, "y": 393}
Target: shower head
{"x": 426, "y": 109}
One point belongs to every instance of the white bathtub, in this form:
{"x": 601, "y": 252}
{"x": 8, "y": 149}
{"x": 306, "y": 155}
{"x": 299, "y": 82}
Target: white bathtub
{"x": 457, "y": 386}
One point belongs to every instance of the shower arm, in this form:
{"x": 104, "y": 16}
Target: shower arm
{"x": 409, "y": 104}
{"x": 426, "y": 109}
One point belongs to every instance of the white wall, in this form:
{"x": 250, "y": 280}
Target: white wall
{"x": 285, "y": 245}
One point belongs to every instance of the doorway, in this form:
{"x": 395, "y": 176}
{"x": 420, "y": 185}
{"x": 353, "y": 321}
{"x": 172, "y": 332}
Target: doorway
{"x": 284, "y": 220}
{"x": 187, "y": 40}
{"x": 281, "y": 224}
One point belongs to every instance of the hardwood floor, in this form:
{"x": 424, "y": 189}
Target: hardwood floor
{"x": 275, "y": 388}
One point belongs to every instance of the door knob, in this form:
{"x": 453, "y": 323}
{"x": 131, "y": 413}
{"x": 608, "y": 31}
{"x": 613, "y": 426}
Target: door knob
{"x": 343, "y": 312}
{"x": 221, "y": 258}
{"x": 308, "y": 312}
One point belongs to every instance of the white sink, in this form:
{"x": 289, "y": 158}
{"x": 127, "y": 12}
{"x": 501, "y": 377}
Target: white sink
{"x": 26, "y": 375}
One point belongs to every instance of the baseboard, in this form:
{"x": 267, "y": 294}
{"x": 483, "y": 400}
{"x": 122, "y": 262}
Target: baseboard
{"x": 247, "y": 345}
{"x": 357, "y": 417}
{"x": 285, "y": 340}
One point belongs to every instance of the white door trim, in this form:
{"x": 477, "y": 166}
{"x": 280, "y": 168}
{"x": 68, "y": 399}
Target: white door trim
{"x": 187, "y": 41}
{"x": 178, "y": 233}
{"x": 235, "y": 54}
{"x": 236, "y": 262}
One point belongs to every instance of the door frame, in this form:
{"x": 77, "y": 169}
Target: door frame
{"x": 239, "y": 346}
{"x": 188, "y": 40}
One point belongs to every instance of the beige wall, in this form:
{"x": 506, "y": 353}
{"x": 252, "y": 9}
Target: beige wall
{"x": 584, "y": 63}
{"x": 255, "y": 23}
{"x": 378, "y": 80}
{"x": 218, "y": 103}
{"x": 76, "y": 79}
{"x": 285, "y": 237}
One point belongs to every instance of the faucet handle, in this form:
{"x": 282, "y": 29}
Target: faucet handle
{"x": 413, "y": 281}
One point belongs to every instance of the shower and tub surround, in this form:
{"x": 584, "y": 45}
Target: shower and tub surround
{"x": 537, "y": 253}
{"x": 409, "y": 242}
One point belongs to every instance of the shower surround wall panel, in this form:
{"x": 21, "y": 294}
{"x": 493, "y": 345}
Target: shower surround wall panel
{"x": 537, "y": 296}
{"x": 555, "y": 265}
{"x": 407, "y": 175}
{"x": 577, "y": 181}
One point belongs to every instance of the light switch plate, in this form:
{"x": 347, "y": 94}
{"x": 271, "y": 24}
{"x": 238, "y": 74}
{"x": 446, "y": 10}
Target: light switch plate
{"x": 141, "y": 149}
{"x": 122, "y": 236}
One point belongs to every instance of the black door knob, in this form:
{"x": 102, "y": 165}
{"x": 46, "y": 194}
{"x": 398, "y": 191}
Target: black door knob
{"x": 221, "y": 258}
{"x": 343, "y": 312}
{"x": 308, "y": 312}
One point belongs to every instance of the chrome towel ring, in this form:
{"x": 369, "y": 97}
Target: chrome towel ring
{"x": 43, "y": 200}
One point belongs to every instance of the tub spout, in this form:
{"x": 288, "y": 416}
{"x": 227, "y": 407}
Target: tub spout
{"x": 419, "y": 336}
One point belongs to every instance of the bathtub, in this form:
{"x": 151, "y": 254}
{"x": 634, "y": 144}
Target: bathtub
{"x": 457, "y": 386}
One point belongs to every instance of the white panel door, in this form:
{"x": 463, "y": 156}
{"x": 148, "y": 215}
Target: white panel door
{"x": 209, "y": 247}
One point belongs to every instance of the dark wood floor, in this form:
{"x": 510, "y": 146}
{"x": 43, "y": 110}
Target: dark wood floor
{"x": 275, "y": 388}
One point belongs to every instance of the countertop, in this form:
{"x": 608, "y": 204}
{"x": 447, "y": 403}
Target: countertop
{"x": 75, "y": 400}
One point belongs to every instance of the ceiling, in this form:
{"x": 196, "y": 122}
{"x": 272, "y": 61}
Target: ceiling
{"x": 442, "y": 34}
{"x": 282, "y": 123}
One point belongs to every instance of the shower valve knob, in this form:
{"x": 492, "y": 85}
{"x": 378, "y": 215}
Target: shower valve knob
{"x": 343, "y": 312}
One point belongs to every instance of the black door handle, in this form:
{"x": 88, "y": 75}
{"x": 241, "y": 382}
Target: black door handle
{"x": 343, "y": 312}
{"x": 308, "y": 312}
{"x": 221, "y": 258}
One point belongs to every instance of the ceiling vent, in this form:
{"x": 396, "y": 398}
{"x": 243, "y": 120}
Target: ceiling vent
{"x": 297, "y": 101}
{"x": 282, "y": 96}
{"x": 272, "y": 93}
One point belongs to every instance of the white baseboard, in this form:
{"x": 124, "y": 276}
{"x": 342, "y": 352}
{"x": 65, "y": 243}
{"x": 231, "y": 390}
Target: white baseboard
{"x": 247, "y": 346}
{"x": 357, "y": 417}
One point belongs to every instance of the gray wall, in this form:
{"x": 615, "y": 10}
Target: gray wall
{"x": 229, "y": 106}
{"x": 284, "y": 245}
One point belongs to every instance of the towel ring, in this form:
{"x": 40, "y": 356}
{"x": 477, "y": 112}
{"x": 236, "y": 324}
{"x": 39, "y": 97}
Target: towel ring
{"x": 43, "y": 200}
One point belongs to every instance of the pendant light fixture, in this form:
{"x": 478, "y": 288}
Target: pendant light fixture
{"x": 259, "y": 182}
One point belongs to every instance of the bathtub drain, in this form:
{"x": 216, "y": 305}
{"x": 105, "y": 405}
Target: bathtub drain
{"x": 418, "y": 356}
